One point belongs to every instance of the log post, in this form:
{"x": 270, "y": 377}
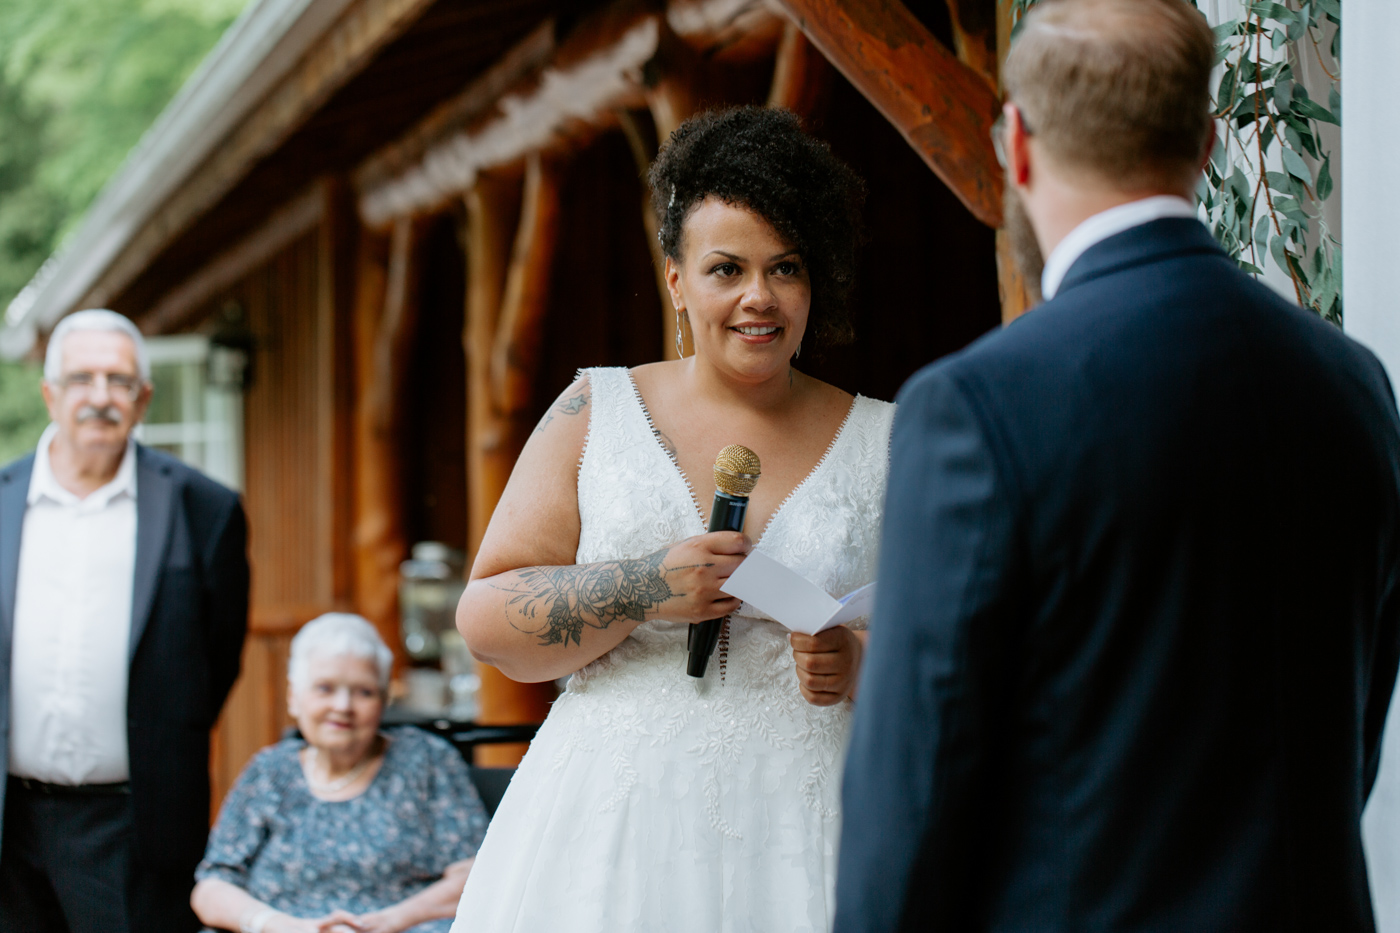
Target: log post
{"x": 385, "y": 317}
{"x": 492, "y": 208}
{"x": 672, "y": 80}
{"x": 641, "y": 154}
{"x": 1016, "y": 296}
{"x": 520, "y": 330}
{"x": 975, "y": 37}
{"x": 801, "y": 75}
{"x": 943, "y": 108}
{"x": 493, "y": 204}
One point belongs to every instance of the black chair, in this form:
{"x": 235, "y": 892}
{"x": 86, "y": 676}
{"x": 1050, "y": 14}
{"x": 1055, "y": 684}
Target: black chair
{"x": 491, "y": 783}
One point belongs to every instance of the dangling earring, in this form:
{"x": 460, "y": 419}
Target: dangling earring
{"x": 680, "y": 341}
{"x": 799, "y": 350}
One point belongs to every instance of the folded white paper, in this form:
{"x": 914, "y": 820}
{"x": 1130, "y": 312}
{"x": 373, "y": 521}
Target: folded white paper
{"x": 791, "y": 598}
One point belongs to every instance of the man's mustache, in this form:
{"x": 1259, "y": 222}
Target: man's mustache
{"x": 107, "y": 413}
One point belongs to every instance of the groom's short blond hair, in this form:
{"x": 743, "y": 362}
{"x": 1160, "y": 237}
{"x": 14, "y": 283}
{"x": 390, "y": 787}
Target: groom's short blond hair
{"x": 1119, "y": 88}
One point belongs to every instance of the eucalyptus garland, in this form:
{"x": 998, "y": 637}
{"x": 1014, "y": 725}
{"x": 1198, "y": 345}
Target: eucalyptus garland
{"x": 1267, "y": 119}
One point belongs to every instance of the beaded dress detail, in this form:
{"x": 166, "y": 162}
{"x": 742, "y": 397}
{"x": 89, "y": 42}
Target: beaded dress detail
{"x": 654, "y": 801}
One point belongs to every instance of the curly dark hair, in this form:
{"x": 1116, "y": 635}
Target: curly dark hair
{"x": 762, "y": 160}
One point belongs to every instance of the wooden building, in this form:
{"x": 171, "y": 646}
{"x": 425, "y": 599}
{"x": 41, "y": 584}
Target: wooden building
{"x": 426, "y": 215}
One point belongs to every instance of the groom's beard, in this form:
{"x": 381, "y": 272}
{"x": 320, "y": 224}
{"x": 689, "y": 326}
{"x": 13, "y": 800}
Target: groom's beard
{"x": 1025, "y": 249}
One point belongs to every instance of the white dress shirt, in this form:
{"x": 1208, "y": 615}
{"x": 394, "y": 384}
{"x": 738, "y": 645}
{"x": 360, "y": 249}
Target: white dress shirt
{"x": 69, "y": 665}
{"x": 1103, "y": 225}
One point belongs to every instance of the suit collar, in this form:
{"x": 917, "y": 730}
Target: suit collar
{"x": 154, "y": 501}
{"x": 1149, "y": 242}
{"x": 1103, "y": 225}
{"x": 14, "y": 488}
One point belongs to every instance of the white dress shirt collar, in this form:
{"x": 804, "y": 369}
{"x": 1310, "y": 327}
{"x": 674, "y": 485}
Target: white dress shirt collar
{"x": 43, "y": 483}
{"x": 1103, "y": 225}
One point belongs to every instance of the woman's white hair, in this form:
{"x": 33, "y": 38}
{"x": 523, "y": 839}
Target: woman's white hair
{"x": 337, "y": 634}
{"x": 94, "y": 319}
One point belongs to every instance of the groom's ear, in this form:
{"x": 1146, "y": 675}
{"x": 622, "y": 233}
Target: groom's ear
{"x": 1018, "y": 147}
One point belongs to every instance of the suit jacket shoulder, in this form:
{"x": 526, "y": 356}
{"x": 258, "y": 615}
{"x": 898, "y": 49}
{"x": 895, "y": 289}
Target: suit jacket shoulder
{"x": 18, "y": 470}
{"x": 183, "y": 474}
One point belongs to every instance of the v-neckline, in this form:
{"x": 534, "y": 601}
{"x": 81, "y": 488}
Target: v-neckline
{"x": 690, "y": 489}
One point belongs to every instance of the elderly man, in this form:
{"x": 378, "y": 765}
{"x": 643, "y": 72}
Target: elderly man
{"x": 123, "y": 605}
{"x": 1140, "y": 574}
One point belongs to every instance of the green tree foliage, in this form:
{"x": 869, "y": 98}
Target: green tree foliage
{"x": 22, "y": 412}
{"x": 80, "y": 81}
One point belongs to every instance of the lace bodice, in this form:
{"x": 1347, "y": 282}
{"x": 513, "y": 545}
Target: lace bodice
{"x": 827, "y": 530}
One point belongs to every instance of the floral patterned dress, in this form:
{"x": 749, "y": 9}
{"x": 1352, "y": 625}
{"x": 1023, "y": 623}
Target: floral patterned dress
{"x": 307, "y": 857}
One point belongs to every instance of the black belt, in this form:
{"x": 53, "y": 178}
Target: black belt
{"x": 70, "y": 790}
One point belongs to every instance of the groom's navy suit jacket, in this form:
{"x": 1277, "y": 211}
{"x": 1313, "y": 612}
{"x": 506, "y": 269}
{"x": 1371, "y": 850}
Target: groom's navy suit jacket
{"x": 1137, "y": 627}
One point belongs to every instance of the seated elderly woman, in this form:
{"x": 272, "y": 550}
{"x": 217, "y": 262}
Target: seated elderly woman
{"x": 348, "y": 829}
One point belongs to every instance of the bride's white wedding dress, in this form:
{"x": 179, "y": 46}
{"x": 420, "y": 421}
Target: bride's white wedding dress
{"x": 653, "y": 801}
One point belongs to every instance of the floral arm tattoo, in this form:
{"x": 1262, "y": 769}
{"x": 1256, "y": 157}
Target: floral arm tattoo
{"x": 556, "y": 603}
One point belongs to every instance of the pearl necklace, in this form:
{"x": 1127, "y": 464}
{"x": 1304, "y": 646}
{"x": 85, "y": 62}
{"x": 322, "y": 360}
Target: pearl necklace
{"x": 340, "y": 783}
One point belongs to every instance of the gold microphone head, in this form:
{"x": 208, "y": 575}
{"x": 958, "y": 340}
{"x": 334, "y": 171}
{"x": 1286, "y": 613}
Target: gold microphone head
{"x": 736, "y": 470}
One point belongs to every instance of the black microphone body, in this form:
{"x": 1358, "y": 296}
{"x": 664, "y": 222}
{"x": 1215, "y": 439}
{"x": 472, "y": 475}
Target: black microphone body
{"x": 727, "y": 514}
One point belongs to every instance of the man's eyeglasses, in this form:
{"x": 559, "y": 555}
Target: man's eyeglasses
{"x": 119, "y": 385}
{"x": 999, "y": 134}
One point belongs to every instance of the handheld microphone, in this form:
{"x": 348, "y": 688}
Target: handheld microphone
{"x": 736, "y": 473}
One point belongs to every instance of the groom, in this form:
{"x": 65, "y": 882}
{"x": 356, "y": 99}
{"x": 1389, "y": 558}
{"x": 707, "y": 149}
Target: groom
{"x": 1137, "y": 630}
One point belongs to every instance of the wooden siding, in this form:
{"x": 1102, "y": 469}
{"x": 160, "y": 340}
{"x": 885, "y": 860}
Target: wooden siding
{"x": 294, "y": 487}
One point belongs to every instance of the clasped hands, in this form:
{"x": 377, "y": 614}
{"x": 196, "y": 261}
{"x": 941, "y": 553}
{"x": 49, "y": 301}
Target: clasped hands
{"x": 337, "y": 921}
{"x": 828, "y": 663}
{"x": 393, "y": 919}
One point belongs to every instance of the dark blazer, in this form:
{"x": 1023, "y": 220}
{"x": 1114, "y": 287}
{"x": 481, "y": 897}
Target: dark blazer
{"x": 188, "y": 618}
{"x": 1137, "y": 630}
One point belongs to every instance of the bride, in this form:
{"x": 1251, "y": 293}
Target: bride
{"x": 651, "y": 800}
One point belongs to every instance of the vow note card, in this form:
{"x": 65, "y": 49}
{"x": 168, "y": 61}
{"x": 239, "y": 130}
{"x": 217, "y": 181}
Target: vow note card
{"x": 791, "y": 598}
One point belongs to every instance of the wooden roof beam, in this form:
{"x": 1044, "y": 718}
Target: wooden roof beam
{"x": 941, "y": 106}
{"x": 594, "y": 71}
{"x": 727, "y": 30}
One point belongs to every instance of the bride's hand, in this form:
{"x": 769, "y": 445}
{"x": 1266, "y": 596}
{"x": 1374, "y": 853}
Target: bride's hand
{"x": 693, "y": 570}
{"x": 828, "y": 664}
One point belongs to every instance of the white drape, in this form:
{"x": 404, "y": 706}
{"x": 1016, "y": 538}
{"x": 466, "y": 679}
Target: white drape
{"x": 1371, "y": 241}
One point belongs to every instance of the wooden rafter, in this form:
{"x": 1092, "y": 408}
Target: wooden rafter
{"x": 942, "y": 107}
{"x": 725, "y": 30}
{"x": 587, "y": 78}
{"x": 520, "y": 65}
